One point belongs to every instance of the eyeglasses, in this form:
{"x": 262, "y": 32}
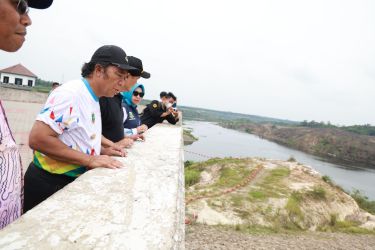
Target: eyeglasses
{"x": 22, "y": 7}
{"x": 136, "y": 93}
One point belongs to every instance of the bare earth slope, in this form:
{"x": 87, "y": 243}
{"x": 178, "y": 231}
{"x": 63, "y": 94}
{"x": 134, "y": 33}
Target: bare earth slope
{"x": 288, "y": 205}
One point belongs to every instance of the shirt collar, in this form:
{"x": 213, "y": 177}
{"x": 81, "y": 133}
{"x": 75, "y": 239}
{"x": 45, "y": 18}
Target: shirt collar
{"x": 87, "y": 84}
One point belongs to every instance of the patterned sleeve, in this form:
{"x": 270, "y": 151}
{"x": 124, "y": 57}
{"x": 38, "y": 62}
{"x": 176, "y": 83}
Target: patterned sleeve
{"x": 59, "y": 112}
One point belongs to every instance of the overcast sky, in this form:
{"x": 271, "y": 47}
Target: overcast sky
{"x": 297, "y": 60}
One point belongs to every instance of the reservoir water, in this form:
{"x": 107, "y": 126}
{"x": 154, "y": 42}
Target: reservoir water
{"x": 216, "y": 141}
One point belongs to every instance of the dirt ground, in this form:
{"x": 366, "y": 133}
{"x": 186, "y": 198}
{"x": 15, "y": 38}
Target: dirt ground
{"x": 210, "y": 237}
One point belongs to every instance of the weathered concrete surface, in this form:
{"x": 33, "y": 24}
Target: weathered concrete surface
{"x": 140, "y": 206}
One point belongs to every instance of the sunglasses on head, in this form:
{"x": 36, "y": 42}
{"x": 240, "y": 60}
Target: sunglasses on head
{"x": 22, "y": 7}
{"x": 136, "y": 93}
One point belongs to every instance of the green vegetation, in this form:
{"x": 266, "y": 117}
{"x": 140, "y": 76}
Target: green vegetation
{"x": 257, "y": 195}
{"x": 272, "y": 185}
{"x": 363, "y": 201}
{"x": 366, "y": 129}
{"x": 192, "y": 176}
{"x": 292, "y": 159}
{"x": 344, "y": 226}
{"x": 294, "y": 207}
{"x": 318, "y": 193}
{"x": 333, "y": 143}
{"x": 327, "y": 179}
{"x": 43, "y": 89}
{"x": 230, "y": 177}
{"x": 237, "y": 200}
{"x": 200, "y": 114}
{"x": 287, "y": 212}
{"x": 192, "y": 173}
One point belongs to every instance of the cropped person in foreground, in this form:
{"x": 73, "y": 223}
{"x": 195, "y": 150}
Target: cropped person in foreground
{"x": 14, "y": 20}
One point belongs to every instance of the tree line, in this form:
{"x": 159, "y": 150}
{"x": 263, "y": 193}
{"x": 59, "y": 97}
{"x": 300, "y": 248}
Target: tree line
{"x": 365, "y": 129}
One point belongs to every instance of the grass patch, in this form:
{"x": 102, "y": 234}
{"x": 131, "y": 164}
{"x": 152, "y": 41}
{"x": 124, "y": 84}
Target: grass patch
{"x": 318, "y": 193}
{"x": 231, "y": 176}
{"x": 345, "y": 227}
{"x": 272, "y": 185}
{"x": 237, "y": 200}
{"x": 363, "y": 201}
{"x": 257, "y": 195}
{"x": 293, "y": 207}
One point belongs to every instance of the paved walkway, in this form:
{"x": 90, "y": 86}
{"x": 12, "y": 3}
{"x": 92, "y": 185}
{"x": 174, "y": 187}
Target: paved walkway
{"x": 21, "y": 117}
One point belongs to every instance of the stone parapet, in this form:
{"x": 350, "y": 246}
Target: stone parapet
{"x": 140, "y": 206}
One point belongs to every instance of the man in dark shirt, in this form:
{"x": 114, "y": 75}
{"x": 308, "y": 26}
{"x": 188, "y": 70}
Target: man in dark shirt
{"x": 157, "y": 112}
{"x": 111, "y": 107}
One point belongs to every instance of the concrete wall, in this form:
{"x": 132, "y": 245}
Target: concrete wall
{"x": 8, "y": 93}
{"x": 12, "y": 79}
{"x": 140, "y": 206}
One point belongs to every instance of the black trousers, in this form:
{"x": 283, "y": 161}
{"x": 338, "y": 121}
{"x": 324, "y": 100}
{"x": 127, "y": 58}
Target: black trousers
{"x": 40, "y": 184}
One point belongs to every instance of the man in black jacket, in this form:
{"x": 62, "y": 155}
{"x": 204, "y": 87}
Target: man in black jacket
{"x": 157, "y": 112}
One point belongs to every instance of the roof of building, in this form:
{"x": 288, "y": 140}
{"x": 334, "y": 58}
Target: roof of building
{"x": 18, "y": 69}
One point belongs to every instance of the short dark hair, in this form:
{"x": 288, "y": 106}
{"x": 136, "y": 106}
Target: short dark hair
{"x": 88, "y": 68}
{"x": 163, "y": 94}
{"x": 171, "y": 95}
{"x": 55, "y": 84}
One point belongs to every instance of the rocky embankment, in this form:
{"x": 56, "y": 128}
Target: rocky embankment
{"x": 189, "y": 138}
{"x": 255, "y": 195}
{"x": 330, "y": 143}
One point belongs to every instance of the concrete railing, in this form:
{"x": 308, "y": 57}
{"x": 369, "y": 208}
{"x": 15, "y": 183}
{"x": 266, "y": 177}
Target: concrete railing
{"x": 140, "y": 206}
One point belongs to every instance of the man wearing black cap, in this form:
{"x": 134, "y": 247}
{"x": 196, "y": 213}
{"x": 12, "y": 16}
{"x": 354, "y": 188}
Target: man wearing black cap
{"x": 157, "y": 112}
{"x": 67, "y": 136}
{"x": 14, "y": 19}
{"x": 113, "y": 115}
{"x": 13, "y": 22}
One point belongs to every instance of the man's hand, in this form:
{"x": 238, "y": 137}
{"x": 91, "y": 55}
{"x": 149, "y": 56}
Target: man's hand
{"x": 103, "y": 161}
{"x": 114, "y": 150}
{"x": 138, "y": 136}
{"x": 141, "y": 129}
{"x": 125, "y": 143}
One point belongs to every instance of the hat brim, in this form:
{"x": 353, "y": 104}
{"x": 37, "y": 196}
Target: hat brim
{"x": 145, "y": 75}
{"x": 39, "y": 4}
{"x": 125, "y": 66}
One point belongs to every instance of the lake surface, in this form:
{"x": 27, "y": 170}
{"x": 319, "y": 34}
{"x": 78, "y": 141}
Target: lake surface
{"x": 215, "y": 141}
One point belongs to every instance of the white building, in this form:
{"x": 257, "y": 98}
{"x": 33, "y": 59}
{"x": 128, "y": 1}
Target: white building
{"x": 18, "y": 75}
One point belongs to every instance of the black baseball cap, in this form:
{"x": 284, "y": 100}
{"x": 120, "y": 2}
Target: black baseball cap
{"x": 112, "y": 54}
{"x": 137, "y": 63}
{"x": 39, "y": 4}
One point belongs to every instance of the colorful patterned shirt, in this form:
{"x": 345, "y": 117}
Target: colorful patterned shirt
{"x": 72, "y": 110}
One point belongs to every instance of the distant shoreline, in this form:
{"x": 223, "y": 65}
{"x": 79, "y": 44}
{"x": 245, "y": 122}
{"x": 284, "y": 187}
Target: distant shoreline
{"x": 330, "y": 144}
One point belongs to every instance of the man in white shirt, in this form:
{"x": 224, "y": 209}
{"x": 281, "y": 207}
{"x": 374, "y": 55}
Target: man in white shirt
{"x": 67, "y": 134}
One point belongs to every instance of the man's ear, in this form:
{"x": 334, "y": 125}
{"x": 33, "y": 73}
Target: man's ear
{"x": 98, "y": 70}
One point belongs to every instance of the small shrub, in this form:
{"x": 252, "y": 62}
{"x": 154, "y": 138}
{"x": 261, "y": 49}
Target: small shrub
{"x": 318, "y": 193}
{"x": 188, "y": 163}
{"x": 327, "y": 179}
{"x": 292, "y": 159}
{"x": 363, "y": 201}
{"x": 192, "y": 177}
{"x": 333, "y": 220}
{"x": 293, "y": 207}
